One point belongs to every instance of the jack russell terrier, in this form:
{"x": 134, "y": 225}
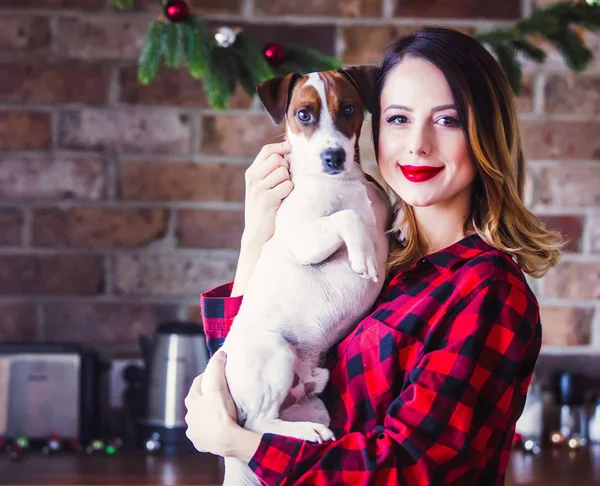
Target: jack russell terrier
{"x": 321, "y": 271}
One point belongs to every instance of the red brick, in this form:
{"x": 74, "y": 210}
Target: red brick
{"x": 569, "y": 185}
{"x": 343, "y": 8}
{"x": 157, "y": 181}
{"x": 573, "y": 280}
{"x": 572, "y": 94}
{"x": 18, "y": 322}
{"x": 24, "y": 34}
{"x": 101, "y": 37}
{"x": 366, "y": 44}
{"x": 565, "y": 326}
{"x": 98, "y": 227}
{"x": 56, "y": 82}
{"x": 171, "y": 88}
{"x": 103, "y": 322}
{"x": 553, "y": 139}
{"x": 570, "y": 227}
{"x": 125, "y": 130}
{"x": 25, "y": 130}
{"x": 197, "y": 6}
{"x": 89, "y": 5}
{"x": 41, "y": 176}
{"x": 238, "y": 135}
{"x": 466, "y": 9}
{"x": 205, "y": 228}
{"x": 153, "y": 273}
{"x": 11, "y": 227}
{"x": 51, "y": 275}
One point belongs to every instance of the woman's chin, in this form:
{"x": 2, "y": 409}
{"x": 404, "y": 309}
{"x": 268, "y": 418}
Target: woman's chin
{"x": 419, "y": 201}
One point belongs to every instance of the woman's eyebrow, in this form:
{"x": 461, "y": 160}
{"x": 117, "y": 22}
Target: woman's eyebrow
{"x": 437, "y": 108}
{"x": 398, "y": 107}
{"x": 444, "y": 107}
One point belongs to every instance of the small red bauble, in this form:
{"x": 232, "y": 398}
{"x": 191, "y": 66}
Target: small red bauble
{"x": 275, "y": 54}
{"x": 177, "y": 10}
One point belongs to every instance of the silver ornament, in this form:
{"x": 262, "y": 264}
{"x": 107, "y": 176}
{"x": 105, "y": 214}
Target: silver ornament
{"x": 225, "y": 37}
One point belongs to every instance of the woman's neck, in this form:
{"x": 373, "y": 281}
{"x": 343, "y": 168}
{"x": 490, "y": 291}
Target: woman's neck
{"x": 442, "y": 225}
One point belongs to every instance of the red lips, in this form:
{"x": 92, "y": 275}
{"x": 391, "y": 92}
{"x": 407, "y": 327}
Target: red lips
{"x": 420, "y": 173}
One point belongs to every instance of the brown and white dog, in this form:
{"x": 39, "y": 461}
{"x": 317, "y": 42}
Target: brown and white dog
{"x": 320, "y": 272}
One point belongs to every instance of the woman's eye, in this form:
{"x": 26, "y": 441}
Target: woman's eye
{"x": 349, "y": 110}
{"x": 303, "y": 116}
{"x": 448, "y": 121}
{"x": 397, "y": 119}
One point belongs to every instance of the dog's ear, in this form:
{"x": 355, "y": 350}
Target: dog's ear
{"x": 275, "y": 95}
{"x": 364, "y": 79}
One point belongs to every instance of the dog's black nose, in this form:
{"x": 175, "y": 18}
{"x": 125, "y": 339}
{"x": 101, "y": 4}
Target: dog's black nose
{"x": 333, "y": 159}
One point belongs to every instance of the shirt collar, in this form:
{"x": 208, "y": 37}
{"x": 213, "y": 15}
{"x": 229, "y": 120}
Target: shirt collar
{"x": 465, "y": 249}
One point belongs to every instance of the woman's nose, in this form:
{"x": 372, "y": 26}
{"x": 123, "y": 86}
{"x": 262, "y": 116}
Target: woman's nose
{"x": 420, "y": 142}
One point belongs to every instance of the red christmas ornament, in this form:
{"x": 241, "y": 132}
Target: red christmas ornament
{"x": 275, "y": 54}
{"x": 177, "y": 10}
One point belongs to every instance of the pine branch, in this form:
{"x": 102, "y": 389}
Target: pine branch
{"x": 149, "y": 62}
{"x": 122, "y": 4}
{"x": 221, "y": 77}
{"x": 530, "y": 50}
{"x": 172, "y": 44}
{"x": 199, "y": 45}
{"x": 553, "y": 23}
{"x": 572, "y": 48}
{"x": 510, "y": 65}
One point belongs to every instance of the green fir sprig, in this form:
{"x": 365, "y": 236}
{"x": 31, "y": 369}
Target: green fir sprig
{"x": 190, "y": 43}
{"x": 557, "y": 23}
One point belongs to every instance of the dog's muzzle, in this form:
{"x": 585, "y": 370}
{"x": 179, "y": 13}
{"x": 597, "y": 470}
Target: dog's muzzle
{"x": 333, "y": 160}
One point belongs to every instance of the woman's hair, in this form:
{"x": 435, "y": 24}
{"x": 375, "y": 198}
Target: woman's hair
{"x": 488, "y": 115}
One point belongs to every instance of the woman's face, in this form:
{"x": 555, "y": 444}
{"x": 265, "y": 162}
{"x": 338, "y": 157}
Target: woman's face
{"x": 423, "y": 153}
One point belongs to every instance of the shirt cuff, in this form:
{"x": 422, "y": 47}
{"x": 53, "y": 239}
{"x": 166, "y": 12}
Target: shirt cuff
{"x": 218, "y": 309}
{"x": 274, "y": 458}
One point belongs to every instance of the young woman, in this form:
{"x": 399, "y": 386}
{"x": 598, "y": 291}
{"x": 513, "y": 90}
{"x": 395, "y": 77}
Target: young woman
{"x": 428, "y": 388}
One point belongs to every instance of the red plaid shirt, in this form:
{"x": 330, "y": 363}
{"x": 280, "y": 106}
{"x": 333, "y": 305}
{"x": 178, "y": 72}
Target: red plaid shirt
{"x": 428, "y": 387}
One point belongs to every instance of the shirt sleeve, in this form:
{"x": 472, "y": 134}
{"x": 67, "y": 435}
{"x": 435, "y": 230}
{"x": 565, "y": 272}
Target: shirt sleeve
{"x": 218, "y": 310}
{"x": 461, "y": 401}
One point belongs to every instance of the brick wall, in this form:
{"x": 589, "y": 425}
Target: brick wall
{"x": 119, "y": 203}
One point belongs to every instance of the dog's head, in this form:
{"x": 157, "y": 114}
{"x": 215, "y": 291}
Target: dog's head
{"x": 324, "y": 113}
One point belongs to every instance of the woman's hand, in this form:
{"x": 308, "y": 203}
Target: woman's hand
{"x": 267, "y": 184}
{"x": 211, "y": 417}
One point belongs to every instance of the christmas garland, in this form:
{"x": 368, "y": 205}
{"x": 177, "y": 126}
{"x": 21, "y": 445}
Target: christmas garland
{"x": 223, "y": 59}
{"x": 228, "y": 57}
{"x": 552, "y": 23}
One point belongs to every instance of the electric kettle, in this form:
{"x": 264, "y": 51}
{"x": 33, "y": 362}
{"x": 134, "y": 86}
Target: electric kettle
{"x": 173, "y": 358}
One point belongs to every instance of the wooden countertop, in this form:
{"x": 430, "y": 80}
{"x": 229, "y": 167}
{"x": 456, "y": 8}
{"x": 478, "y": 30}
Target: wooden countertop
{"x": 550, "y": 468}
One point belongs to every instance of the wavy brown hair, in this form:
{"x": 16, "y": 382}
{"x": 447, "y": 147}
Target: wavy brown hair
{"x": 487, "y": 111}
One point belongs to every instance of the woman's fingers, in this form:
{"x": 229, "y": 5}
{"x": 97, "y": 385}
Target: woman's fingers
{"x": 269, "y": 158}
{"x": 276, "y": 177}
{"x": 282, "y": 190}
{"x": 272, "y": 163}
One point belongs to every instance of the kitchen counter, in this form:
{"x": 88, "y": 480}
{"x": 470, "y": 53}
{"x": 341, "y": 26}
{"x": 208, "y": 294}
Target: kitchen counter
{"x": 550, "y": 468}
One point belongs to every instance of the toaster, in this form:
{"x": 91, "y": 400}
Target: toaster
{"x": 52, "y": 389}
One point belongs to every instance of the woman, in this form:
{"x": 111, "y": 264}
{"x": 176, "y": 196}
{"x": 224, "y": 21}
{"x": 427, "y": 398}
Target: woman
{"x": 428, "y": 388}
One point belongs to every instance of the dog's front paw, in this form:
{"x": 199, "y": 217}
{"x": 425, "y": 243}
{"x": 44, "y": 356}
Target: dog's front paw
{"x": 363, "y": 263}
{"x": 312, "y": 432}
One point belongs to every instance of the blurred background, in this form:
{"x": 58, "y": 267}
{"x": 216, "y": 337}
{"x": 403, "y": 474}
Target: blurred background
{"x": 120, "y": 203}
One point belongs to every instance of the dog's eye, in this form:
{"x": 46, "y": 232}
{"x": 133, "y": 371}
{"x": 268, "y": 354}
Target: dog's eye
{"x": 349, "y": 110}
{"x": 303, "y": 116}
